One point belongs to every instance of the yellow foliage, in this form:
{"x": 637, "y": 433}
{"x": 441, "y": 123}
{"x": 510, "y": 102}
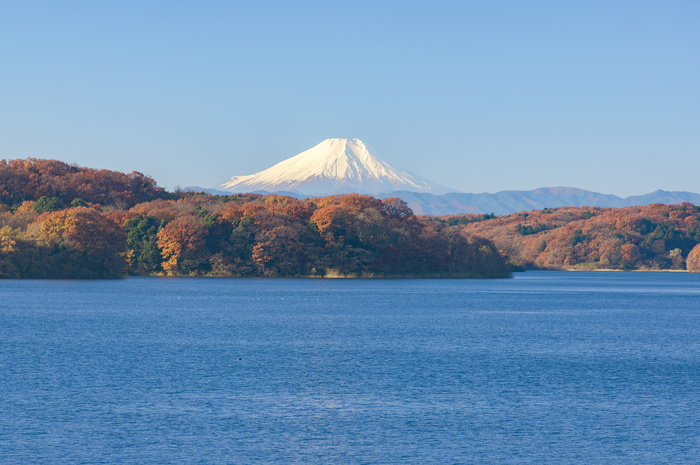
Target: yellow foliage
{"x": 8, "y": 244}
{"x": 80, "y": 228}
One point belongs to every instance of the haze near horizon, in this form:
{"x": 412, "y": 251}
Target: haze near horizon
{"x": 478, "y": 97}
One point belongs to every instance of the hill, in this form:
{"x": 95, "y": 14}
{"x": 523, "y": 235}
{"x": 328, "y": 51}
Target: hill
{"x": 30, "y": 179}
{"x": 653, "y": 237}
{"x": 59, "y": 221}
{"x": 126, "y": 225}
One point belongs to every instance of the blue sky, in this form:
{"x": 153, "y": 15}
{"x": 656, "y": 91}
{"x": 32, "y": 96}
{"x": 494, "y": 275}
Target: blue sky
{"x": 478, "y": 96}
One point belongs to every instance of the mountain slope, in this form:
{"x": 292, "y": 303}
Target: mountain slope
{"x": 507, "y": 202}
{"x": 334, "y": 166}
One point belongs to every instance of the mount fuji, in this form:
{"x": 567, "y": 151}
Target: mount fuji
{"x": 335, "y": 166}
{"x": 342, "y": 166}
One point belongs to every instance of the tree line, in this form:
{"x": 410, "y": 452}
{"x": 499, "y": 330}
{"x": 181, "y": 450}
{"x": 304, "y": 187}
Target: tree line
{"x": 59, "y": 221}
{"x": 652, "y": 237}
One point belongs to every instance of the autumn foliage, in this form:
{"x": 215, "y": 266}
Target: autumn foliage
{"x": 693, "y": 261}
{"x": 653, "y": 237}
{"x": 77, "y": 242}
{"x": 58, "y": 220}
{"x": 32, "y": 179}
{"x": 348, "y": 235}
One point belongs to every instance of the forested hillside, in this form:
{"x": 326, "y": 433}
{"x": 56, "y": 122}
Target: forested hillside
{"x": 60, "y": 221}
{"x": 67, "y": 185}
{"x": 653, "y": 237}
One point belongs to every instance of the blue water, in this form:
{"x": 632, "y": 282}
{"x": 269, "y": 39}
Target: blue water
{"x": 548, "y": 367}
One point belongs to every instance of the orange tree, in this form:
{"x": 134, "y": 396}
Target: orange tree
{"x": 77, "y": 242}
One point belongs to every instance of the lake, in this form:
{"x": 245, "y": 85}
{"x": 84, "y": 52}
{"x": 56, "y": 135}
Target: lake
{"x": 547, "y": 367}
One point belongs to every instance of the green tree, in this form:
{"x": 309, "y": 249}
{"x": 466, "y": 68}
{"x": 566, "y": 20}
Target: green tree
{"x": 77, "y": 202}
{"x": 143, "y": 255}
{"x": 47, "y": 204}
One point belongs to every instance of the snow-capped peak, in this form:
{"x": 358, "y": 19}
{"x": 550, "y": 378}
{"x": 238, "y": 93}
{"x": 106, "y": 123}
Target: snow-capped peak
{"x": 334, "y": 166}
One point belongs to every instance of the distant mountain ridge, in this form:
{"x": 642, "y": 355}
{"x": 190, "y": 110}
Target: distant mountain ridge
{"x": 334, "y": 166}
{"x": 507, "y": 202}
{"x": 343, "y": 166}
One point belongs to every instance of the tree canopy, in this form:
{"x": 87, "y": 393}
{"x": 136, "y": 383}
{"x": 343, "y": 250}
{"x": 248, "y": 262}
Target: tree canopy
{"x": 59, "y": 220}
{"x": 652, "y": 237}
{"x": 56, "y": 226}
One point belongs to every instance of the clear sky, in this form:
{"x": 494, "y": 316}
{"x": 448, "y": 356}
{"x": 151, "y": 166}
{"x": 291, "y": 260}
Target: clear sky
{"x": 480, "y": 96}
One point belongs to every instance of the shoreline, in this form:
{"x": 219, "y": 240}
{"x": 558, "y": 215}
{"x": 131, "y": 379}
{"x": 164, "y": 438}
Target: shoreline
{"x": 624, "y": 271}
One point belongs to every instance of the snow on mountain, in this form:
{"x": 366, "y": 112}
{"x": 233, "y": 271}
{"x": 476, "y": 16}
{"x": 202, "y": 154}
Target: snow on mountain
{"x": 335, "y": 166}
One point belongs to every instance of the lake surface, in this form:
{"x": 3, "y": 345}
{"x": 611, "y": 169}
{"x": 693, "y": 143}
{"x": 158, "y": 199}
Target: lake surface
{"x": 547, "y": 367}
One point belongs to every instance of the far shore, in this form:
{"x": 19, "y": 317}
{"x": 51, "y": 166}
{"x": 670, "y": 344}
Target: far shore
{"x": 627, "y": 271}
